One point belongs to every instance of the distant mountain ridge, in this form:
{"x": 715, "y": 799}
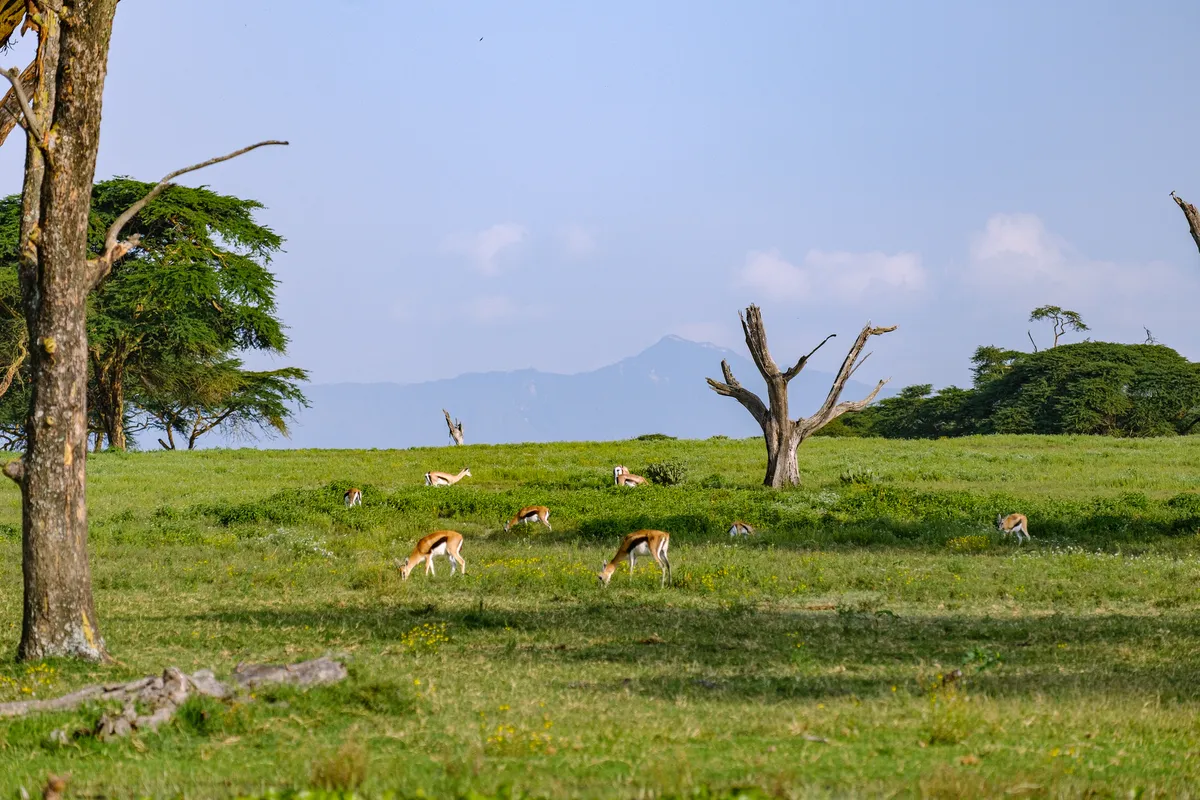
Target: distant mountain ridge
{"x": 660, "y": 390}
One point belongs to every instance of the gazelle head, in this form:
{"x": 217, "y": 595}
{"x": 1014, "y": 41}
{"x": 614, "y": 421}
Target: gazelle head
{"x": 405, "y": 568}
{"x": 1000, "y": 521}
{"x": 466, "y": 472}
{"x": 606, "y": 572}
{"x": 507, "y": 525}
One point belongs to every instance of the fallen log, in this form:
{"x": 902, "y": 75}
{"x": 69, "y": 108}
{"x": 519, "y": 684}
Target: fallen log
{"x": 163, "y": 695}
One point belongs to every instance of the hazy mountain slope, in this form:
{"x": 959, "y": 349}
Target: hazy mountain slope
{"x": 660, "y": 390}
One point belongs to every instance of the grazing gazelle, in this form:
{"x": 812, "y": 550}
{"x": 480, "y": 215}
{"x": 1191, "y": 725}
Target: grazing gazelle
{"x": 445, "y": 478}
{"x": 740, "y": 528}
{"x": 438, "y": 543}
{"x": 530, "y": 514}
{"x": 640, "y": 543}
{"x": 352, "y": 497}
{"x": 623, "y": 477}
{"x": 1014, "y": 523}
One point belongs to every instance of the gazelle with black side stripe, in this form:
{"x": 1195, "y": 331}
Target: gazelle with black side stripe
{"x": 438, "y": 543}
{"x": 531, "y": 514}
{"x": 445, "y": 478}
{"x": 1014, "y": 523}
{"x": 623, "y": 477}
{"x": 640, "y": 543}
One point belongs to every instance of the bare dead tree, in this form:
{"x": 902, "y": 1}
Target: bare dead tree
{"x": 784, "y": 435}
{"x": 1149, "y": 336}
{"x": 456, "y": 428}
{"x": 61, "y": 121}
{"x": 1192, "y": 215}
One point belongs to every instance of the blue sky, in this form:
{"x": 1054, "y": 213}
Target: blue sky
{"x": 592, "y": 176}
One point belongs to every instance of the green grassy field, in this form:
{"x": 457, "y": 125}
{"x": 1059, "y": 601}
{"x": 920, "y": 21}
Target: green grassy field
{"x": 804, "y": 662}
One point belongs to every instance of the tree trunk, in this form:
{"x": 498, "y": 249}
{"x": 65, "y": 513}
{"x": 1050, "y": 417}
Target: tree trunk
{"x": 59, "y": 617}
{"x": 110, "y": 395}
{"x": 782, "y": 467}
{"x": 783, "y": 435}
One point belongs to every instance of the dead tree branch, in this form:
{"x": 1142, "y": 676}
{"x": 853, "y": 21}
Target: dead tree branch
{"x": 456, "y": 428}
{"x": 10, "y": 104}
{"x": 831, "y": 409}
{"x": 732, "y": 388}
{"x": 115, "y": 249}
{"x": 28, "y": 119}
{"x": 794, "y": 371}
{"x": 1031, "y": 341}
{"x": 1192, "y": 215}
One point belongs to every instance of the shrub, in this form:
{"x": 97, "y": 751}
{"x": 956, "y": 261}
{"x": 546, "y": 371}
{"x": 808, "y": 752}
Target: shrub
{"x": 667, "y": 473}
{"x": 859, "y": 476}
{"x": 655, "y": 437}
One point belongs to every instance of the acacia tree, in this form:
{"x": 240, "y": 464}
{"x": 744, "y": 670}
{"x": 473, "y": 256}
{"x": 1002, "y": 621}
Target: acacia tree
{"x": 784, "y": 435}
{"x": 57, "y": 103}
{"x": 1061, "y": 319}
{"x": 192, "y": 399}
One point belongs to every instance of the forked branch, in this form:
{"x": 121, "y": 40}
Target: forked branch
{"x": 831, "y": 409}
{"x": 28, "y": 120}
{"x": 794, "y": 371}
{"x": 114, "y": 248}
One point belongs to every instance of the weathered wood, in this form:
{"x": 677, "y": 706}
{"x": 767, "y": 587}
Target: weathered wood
{"x": 782, "y": 434}
{"x": 306, "y": 673}
{"x": 162, "y": 695}
{"x": 456, "y": 428}
{"x": 1192, "y": 216}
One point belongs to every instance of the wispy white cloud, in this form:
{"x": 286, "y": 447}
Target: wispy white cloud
{"x": 1015, "y": 254}
{"x": 577, "y": 241}
{"x": 837, "y": 276}
{"x": 1016, "y": 263}
{"x": 484, "y": 247}
{"x": 491, "y": 309}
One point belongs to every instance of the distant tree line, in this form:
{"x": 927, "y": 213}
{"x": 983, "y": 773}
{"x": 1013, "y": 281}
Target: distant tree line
{"x": 1084, "y": 388}
{"x": 167, "y": 326}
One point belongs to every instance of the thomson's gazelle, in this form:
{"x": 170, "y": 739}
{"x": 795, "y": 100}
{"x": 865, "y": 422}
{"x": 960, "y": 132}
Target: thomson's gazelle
{"x": 531, "y": 514}
{"x": 352, "y": 497}
{"x": 438, "y": 543}
{"x": 1014, "y": 523}
{"x": 740, "y": 528}
{"x": 445, "y": 478}
{"x": 640, "y": 543}
{"x": 623, "y": 477}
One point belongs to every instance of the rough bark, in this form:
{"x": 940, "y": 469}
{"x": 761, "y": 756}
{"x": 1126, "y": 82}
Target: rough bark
{"x": 59, "y": 617}
{"x": 782, "y": 434}
{"x": 1192, "y": 216}
{"x": 456, "y": 428}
